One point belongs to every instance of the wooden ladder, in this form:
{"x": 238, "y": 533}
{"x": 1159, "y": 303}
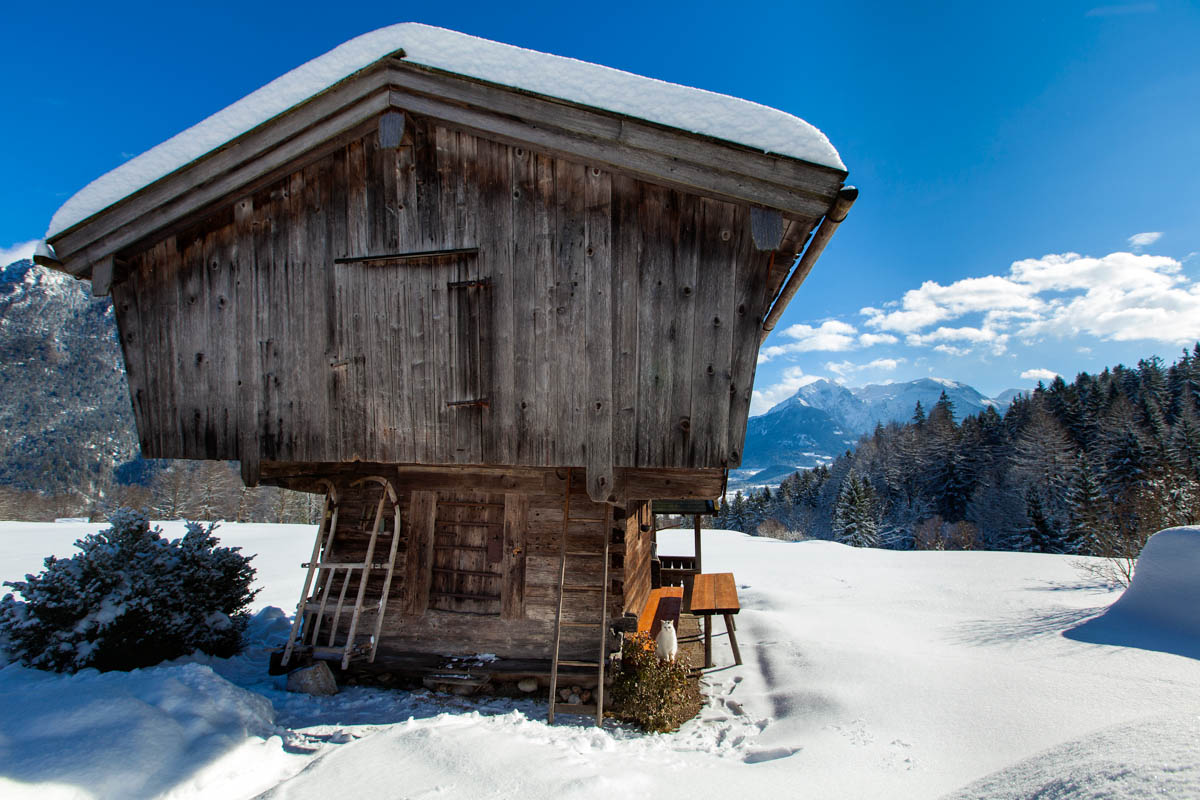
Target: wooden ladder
{"x": 563, "y": 588}
{"x": 323, "y": 566}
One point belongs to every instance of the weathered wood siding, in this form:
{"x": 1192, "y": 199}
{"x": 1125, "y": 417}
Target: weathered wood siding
{"x": 606, "y": 321}
{"x": 639, "y": 546}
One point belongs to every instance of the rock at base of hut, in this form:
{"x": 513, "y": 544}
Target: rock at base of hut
{"x": 527, "y": 685}
{"x": 316, "y": 679}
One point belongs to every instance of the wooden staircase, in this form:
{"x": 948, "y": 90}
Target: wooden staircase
{"x": 321, "y": 609}
{"x": 567, "y": 586}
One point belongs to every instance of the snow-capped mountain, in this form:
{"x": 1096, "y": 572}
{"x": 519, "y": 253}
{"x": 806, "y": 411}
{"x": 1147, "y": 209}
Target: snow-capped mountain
{"x": 895, "y": 401}
{"x": 823, "y": 418}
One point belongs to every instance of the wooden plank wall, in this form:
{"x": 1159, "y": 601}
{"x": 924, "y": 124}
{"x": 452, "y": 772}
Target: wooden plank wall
{"x": 525, "y": 626}
{"x": 619, "y": 326}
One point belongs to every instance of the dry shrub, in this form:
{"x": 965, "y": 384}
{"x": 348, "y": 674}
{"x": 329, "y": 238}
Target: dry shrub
{"x": 937, "y": 534}
{"x": 772, "y": 528}
{"x": 656, "y": 695}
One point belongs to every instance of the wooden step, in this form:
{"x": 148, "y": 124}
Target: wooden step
{"x": 314, "y": 606}
{"x": 565, "y": 663}
{"x": 380, "y": 565}
{"x": 358, "y": 650}
{"x": 581, "y": 625}
{"x": 583, "y": 709}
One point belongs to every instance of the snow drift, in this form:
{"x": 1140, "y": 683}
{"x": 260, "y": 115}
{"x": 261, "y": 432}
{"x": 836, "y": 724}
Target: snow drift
{"x": 868, "y": 674}
{"x": 1161, "y": 608}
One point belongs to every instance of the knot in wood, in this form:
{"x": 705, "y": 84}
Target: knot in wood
{"x": 685, "y": 424}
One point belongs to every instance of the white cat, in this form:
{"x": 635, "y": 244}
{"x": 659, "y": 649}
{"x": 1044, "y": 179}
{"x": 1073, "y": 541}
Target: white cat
{"x": 668, "y": 643}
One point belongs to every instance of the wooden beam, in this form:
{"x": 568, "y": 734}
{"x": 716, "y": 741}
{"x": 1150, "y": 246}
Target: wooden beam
{"x": 816, "y": 246}
{"x": 596, "y": 123}
{"x": 766, "y": 228}
{"x": 676, "y": 483}
{"x": 415, "y": 256}
{"x": 102, "y": 274}
{"x": 658, "y": 168}
{"x": 391, "y": 130}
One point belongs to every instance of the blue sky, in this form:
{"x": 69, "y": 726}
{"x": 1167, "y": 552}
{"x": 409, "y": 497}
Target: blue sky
{"x": 1030, "y": 172}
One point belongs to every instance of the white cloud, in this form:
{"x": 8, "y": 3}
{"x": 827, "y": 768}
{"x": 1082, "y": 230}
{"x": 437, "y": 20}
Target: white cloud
{"x": 17, "y": 252}
{"x": 846, "y": 368}
{"x": 1039, "y": 375}
{"x": 872, "y": 339}
{"x": 793, "y": 378}
{"x": 934, "y": 303}
{"x": 831, "y": 335}
{"x": 1118, "y": 297}
{"x": 1071, "y": 271}
{"x": 1140, "y": 240}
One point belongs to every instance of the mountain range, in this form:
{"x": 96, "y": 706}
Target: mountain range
{"x": 823, "y": 419}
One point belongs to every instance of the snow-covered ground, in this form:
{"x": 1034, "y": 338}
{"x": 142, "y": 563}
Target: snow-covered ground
{"x": 868, "y": 674}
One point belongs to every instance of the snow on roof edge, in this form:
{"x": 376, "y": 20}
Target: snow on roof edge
{"x": 697, "y": 110}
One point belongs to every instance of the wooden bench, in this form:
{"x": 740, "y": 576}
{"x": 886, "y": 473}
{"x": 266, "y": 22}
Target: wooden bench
{"x": 664, "y": 603}
{"x": 706, "y": 595}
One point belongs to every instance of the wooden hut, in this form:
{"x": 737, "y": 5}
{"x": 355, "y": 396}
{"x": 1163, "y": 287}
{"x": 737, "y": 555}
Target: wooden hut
{"x": 490, "y": 302}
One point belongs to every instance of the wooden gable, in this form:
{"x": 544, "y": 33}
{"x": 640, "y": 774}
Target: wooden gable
{"x": 414, "y": 267}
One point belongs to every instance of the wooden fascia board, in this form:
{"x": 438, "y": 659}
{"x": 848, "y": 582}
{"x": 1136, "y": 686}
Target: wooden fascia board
{"x": 323, "y": 112}
{"x": 652, "y": 167}
{"x": 590, "y": 122}
{"x": 661, "y": 155}
{"x": 288, "y": 156}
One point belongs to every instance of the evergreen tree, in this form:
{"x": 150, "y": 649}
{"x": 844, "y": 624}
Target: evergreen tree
{"x": 855, "y": 518}
{"x": 1089, "y": 511}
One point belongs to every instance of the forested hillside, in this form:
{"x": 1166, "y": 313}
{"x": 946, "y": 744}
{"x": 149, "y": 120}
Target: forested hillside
{"x": 1091, "y": 467}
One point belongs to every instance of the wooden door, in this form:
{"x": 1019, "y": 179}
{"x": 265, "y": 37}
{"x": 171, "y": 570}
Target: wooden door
{"x": 412, "y": 376}
{"x": 468, "y": 554}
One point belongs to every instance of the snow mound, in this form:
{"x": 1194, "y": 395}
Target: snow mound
{"x": 1154, "y": 758}
{"x": 1165, "y": 591}
{"x": 1161, "y": 608}
{"x": 696, "y": 110}
{"x": 120, "y": 734}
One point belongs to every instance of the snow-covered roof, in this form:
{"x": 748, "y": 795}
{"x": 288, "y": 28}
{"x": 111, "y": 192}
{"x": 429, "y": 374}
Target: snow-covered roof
{"x": 696, "y": 110}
